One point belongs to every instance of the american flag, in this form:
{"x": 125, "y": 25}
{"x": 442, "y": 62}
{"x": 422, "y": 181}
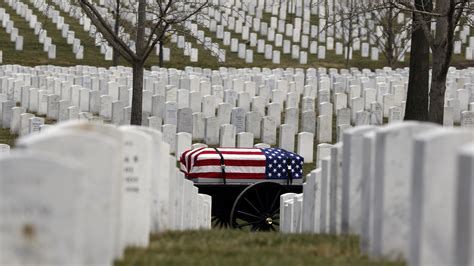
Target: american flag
{"x": 241, "y": 165}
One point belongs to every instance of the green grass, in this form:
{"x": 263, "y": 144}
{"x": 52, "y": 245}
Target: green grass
{"x": 233, "y": 247}
{"x": 6, "y": 137}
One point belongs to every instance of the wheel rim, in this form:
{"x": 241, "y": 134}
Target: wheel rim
{"x": 257, "y": 207}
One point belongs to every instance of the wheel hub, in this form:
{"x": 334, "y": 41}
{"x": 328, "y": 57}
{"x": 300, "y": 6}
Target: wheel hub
{"x": 269, "y": 220}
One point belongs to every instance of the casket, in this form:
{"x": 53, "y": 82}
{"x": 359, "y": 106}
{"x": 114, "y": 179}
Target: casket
{"x": 241, "y": 165}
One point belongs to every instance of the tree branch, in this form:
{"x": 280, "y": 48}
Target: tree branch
{"x": 106, "y": 31}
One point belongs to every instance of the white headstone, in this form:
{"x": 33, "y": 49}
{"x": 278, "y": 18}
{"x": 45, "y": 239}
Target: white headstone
{"x": 306, "y": 146}
{"x": 287, "y": 137}
{"x": 391, "y": 186}
{"x": 433, "y": 218}
{"x": 244, "y": 140}
{"x": 268, "y": 130}
{"x": 465, "y": 207}
{"x": 102, "y": 155}
{"x": 136, "y": 187}
{"x": 41, "y": 210}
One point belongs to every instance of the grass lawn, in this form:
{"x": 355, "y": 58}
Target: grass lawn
{"x": 233, "y": 247}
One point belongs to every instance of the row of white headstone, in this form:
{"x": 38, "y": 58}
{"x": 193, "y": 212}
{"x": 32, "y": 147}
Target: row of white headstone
{"x": 330, "y": 25}
{"x": 9, "y": 27}
{"x": 299, "y": 41}
{"x": 239, "y": 21}
{"x": 26, "y": 13}
{"x": 107, "y": 10}
{"x": 186, "y": 101}
{"x": 405, "y": 189}
{"x": 49, "y": 12}
{"x": 80, "y": 193}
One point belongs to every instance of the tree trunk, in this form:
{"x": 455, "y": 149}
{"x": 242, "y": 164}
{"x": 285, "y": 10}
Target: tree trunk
{"x": 438, "y": 86}
{"x": 348, "y": 49}
{"x": 136, "y": 117}
{"x": 116, "y": 54}
{"x": 348, "y": 44}
{"x": 442, "y": 54}
{"x": 418, "y": 83}
{"x": 390, "y": 38}
{"x": 349, "y": 35}
{"x": 160, "y": 58}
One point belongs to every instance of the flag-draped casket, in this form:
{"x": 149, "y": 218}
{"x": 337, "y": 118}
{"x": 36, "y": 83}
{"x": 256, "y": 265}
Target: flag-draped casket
{"x": 241, "y": 165}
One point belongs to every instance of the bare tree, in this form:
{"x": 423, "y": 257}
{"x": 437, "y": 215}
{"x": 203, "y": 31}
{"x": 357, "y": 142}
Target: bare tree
{"x": 394, "y": 38}
{"x": 345, "y": 24}
{"x": 447, "y": 15}
{"x": 375, "y": 21}
{"x": 153, "y": 20}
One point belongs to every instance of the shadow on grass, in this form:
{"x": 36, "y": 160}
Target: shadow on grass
{"x": 233, "y": 247}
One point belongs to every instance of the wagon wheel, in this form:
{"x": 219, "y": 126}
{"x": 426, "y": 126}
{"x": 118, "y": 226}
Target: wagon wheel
{"x": 220, "y": 221}
{"x": 220, "y": 215}
{"x": 257, "y": 207}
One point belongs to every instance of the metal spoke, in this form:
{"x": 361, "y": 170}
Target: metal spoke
{"x": 276, "y": 212}
{"x": 259, "y": 200}
{"x": 258, "y": 211}
{"x": 217, "y": 222}
{"x": 249, "y": 214}
{"x": 275, "y": 200}
{"x": 247, "y": 224}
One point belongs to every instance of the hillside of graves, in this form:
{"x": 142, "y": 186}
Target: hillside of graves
{"x": 57, "y": 33}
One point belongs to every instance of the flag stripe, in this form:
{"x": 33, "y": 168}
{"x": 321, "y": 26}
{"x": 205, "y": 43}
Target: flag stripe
{"x": 259, "y": 157}
{"x": 191, "y": 156}
{"x": 202, "y": 152}
{"x": 229, "y": 175}
{"x": 239, "y": 150}
{"x": 240, "y": 180}
{"x": 228, "y": 169}
{"x": 206, "y": 162}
